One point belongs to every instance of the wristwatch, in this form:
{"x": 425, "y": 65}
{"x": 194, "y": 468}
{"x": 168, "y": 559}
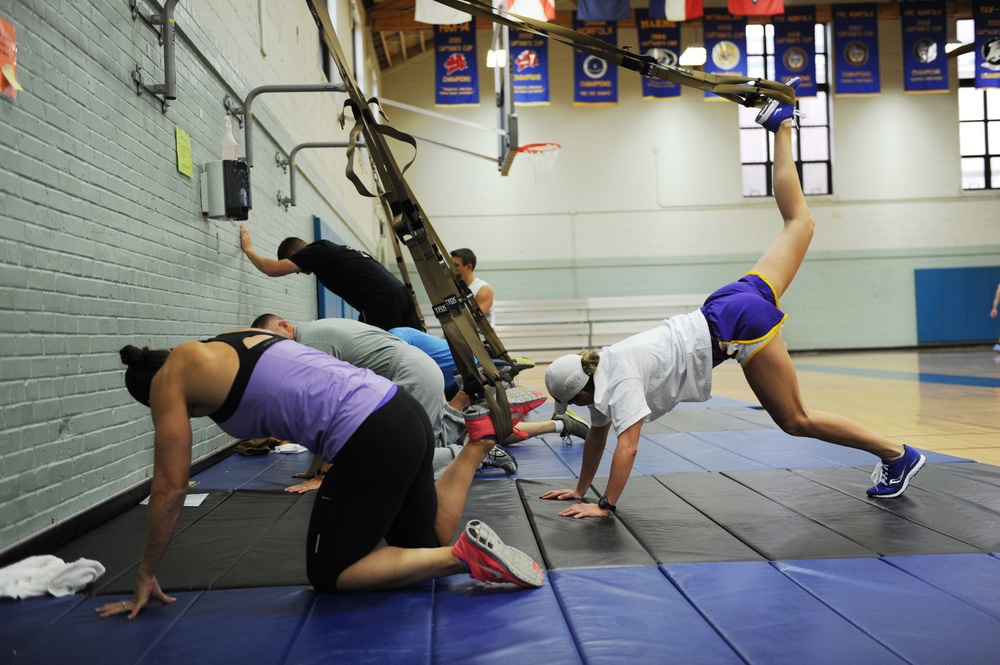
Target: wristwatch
{"x": 604, "y": 504}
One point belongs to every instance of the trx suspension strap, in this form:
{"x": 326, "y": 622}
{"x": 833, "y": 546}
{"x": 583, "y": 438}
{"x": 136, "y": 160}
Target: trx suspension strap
{"x": 462, "y": 321}
{"x": 740, "y": 89}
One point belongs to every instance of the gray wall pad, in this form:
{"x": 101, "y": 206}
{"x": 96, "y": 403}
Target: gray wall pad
{"x": 578, "y": 543}
{"x": 985, "y": 473}
{"x": 498, "y": 504}
{"x": 979, "y": 491}
{"x": 670, "y": 529}
{"x": 767, "y": 527}
{"x": 948, "y": 515}
{"x": 201, "y": 553}
{"x": 117, "y": 544}
{"x": 853, "y": 517}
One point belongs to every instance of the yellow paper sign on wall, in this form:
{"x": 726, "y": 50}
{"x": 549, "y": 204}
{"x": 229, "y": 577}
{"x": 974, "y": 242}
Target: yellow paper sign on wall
{"x": 183, "y": 152}
{"x": 8, "y": 60}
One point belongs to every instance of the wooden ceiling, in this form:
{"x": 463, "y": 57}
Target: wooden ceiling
{"x": 398, "y": 37}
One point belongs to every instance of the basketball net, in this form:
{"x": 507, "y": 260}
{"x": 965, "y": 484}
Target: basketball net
{"x": 542, "y": 157}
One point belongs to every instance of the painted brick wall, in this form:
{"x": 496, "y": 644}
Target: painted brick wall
{"x": 102, "y": 241}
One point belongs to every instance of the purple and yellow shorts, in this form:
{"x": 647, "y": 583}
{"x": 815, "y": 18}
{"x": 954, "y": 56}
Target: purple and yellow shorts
{"x": 743, "y": 318}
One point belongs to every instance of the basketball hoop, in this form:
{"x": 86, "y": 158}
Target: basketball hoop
{"x": 542, "y": 157}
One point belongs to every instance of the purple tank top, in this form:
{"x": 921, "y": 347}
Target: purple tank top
{"x": 303, "y": 395}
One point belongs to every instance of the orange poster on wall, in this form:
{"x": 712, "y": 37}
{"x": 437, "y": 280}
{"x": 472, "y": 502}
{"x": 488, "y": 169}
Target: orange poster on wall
{"x": 8, "y": 60}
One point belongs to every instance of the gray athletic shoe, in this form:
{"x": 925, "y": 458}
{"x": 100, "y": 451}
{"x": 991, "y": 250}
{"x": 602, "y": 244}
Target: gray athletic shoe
{"x": 573, "y": 425}
{"x": 498, "y": 458}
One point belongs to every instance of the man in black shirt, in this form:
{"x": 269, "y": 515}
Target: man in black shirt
{"x": 364, "y": 283}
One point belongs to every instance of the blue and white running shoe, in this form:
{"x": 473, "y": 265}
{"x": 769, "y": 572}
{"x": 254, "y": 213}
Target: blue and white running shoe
{"x": 774, "y": 112}
{"x": 891, "y": 478}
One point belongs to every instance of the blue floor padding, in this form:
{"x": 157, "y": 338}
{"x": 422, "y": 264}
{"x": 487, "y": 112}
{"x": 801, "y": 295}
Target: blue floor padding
{"x": 376, "y": 628}
{"x": 972, "y": 578}
{"x": 653, "y": 457}
{"x": 700, "y": 420}
{"x": 466, "y": 618}
{"x": 245, "y": 626}
{"x": 537, "y": 459}
{"x": 777, "y": 450}
{"x": 768, "y": 619}
{"x": 264, "y": 472}
{"x": 80, "y": 636}
{"x": 635, "y": 615}
{"x": 917, "y": 621}
{"x": 21, "y": 621}
{"x": 704, "y": 454}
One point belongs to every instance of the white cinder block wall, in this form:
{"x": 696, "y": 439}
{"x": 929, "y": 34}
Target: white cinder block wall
{"x": 102, "y": 241}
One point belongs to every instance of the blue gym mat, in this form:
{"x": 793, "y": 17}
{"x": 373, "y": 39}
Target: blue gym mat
{"x": 733, "y": 543}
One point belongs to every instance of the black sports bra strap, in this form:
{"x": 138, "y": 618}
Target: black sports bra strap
{"x": 248, "y": 361}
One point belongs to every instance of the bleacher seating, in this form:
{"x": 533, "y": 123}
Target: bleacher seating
{"x": 545, "y": 329}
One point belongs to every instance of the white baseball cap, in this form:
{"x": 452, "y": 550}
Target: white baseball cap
{"x": 565, "y": 377}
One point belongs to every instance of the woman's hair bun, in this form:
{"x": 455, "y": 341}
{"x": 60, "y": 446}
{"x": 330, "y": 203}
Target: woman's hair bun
{"x": 133, "y": 355}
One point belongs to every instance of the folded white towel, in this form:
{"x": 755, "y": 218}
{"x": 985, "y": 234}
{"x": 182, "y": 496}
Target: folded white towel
{"x": 37, "y": 575}
{"x": 290, "y": 448}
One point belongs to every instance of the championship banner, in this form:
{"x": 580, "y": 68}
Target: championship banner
{"x": 529, "y": 56}
{"x": 986, "y": 14}
{"x": 595, "y": 80}
{"x": 925, "y": 64}
{"x": 660, "y": 39}
{"x": 725, "y": 44}
{"x": 855, "y": 42}
{"x": 795, "y": 47}
{"x": 456, "y": 72}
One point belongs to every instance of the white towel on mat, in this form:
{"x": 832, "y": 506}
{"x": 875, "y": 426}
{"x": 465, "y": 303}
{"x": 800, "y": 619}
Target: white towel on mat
{"x": 37, "y": 575}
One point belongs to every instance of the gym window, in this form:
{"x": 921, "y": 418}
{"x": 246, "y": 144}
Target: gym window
{"x": 810, "y": 142}
{"x": 978, "y": 121}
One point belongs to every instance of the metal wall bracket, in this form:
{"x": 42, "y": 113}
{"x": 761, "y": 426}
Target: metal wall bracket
{"x": 289, "y": 164}
{"x": 163, "y": 26}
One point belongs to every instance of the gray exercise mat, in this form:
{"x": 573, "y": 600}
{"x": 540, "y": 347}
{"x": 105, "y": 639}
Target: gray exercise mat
{"x": 498, "y": 504}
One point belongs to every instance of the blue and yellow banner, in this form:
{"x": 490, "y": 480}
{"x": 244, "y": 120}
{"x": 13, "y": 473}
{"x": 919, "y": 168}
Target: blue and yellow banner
{"x": 456, "y": 73}
{"x": 725, "y": 44}
{"x": 795, "y": 47}
{"x": 986, "y": 14}
{"x": 660, "y": 39}
{"x": 529, "y": 56}
{"x": 595, "y": 80}
{"x": 855, "y": 44}
{"x": 925, "y": 64}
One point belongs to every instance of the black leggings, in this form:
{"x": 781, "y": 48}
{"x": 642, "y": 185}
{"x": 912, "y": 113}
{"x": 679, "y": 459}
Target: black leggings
{"x": 381, "y": 485}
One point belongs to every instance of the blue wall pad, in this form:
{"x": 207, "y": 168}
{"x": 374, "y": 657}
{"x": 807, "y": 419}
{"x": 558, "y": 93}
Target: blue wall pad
{"x": 671, "y": 530}
{"x": 21, "y": 621}
{"x": 704, "y": 454}
{"x": 767, "y": 618}
{"x": 376, "y": 628}
{"x": 467, "y": 619}
{"x": 80, "y": 636}
{"x": 264, "y": 472}
{"x": 245, "y": 626}
{"x": 635, "y": 615}
{"x": 536, "y": 458}
{"x": 499, "y": 505}
{"x": 855, "y": 517}
{"x": 972, "y": 578}
{"x": 767, "y": 527}
{"x": 922, "y": 624}
{"x": 777, "y": 450}
{"x": 652, "y": 456}
{"x": 948, "y": 515}
{"x": 699, "y": 420}
{"x": 578, "y": 543}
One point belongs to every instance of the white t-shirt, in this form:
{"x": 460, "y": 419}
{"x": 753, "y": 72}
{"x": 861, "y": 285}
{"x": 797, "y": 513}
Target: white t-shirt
{"x": 477, "y": 284}
{"x": 647, "y": 375}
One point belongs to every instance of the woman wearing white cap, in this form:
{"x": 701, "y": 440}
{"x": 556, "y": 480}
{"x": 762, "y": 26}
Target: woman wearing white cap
{"x": 645, "y": 376}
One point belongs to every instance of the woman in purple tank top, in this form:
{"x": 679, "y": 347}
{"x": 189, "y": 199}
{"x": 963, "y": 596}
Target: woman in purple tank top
{"x": 255, "y": 384}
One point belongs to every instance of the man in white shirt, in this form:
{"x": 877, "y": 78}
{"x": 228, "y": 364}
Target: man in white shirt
{"x": 465, "y": 262}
